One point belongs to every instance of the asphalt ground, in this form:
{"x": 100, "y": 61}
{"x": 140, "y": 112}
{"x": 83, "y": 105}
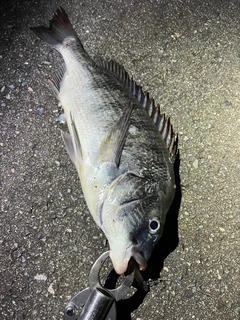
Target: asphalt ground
{"x": 187, "y": 55}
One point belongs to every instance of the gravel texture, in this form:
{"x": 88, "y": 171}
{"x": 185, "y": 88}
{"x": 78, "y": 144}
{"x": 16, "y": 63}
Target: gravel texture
{"x": 187, "y": 55}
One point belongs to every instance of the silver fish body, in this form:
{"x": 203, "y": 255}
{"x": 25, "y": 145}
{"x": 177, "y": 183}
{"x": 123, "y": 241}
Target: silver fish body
{"x": 122, "y": 147}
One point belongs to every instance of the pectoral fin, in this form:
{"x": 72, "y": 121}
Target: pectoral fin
{"x": 69, "y": 145}
{"x": 113, "y": 143}
{"x": 72, "y": 144}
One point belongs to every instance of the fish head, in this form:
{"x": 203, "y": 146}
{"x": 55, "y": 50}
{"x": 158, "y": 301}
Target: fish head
{"x": 129, "y": 240}
{"x": 132, "y": 218}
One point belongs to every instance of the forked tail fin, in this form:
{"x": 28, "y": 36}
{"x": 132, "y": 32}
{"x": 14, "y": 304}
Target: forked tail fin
{"x": 60, "y": 31}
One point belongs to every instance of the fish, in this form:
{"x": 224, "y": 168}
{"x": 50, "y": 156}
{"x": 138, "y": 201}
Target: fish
{"x": 123, "y": 148}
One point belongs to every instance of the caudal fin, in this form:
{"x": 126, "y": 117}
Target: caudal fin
{"x": 59, "y": 30}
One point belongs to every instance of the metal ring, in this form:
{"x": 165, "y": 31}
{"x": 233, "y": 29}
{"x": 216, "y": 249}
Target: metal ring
{"x": 94, "y": 279}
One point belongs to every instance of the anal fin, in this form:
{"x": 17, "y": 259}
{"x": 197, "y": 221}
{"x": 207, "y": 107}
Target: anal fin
{"x": 55, "y": 81}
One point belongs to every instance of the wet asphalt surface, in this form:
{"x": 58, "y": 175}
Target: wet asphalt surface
{"x": 187, "y": 55}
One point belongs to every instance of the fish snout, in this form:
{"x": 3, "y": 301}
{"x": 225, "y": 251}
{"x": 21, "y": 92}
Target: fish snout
{"x": 120, "y": 268}
{"x": 121, "y": 260}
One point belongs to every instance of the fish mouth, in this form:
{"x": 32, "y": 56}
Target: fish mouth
{"x": 141, "y": 262}
{"x": 138, "y": 262}
{"x": 130, "y": 260}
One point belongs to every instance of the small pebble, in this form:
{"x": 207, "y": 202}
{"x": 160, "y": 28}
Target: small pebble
{"x": 50, "y": 289}
{"x": 40, "y": 277}
{"x": 62, "y": 118}
{"x": 40, "y": 111}
{"x": 15, "y": 246}
{"x": 39, "y": 235}
{"x": 195, "y": 164}
{"x": 218, "y": 275}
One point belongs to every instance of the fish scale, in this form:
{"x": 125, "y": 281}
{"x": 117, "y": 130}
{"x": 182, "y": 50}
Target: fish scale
{"x": 121, "y": 145}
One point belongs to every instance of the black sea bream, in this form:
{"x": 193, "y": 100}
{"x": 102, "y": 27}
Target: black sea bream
{"x": 122, "y": 147}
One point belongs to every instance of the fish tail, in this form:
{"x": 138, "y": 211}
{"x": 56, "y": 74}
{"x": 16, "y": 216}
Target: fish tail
{"x": 60, "y": 31}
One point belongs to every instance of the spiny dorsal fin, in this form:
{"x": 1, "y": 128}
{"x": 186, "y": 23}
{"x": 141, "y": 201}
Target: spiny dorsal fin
{"x": 163, "y": 124}
{"x": 113, "y": 143}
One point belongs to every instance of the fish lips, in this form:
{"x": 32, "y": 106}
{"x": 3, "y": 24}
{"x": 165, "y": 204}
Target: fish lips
{"x": 132, "y": 252}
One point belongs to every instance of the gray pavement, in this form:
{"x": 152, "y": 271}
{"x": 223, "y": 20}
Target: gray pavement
{"x": 187, "y": 55}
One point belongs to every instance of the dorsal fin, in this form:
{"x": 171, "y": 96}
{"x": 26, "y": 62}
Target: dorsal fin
{"x": 163, "y": 123}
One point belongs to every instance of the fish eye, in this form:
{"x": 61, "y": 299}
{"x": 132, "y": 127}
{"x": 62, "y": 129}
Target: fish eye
{"x": 154, "y": 225}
